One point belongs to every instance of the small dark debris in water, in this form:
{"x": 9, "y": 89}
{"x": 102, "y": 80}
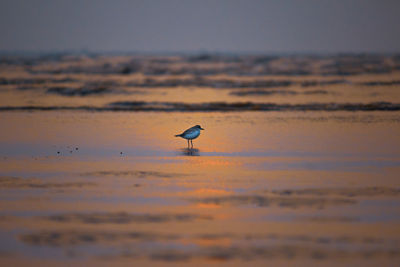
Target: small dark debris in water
{"x": 76, "y": 148}
{"x": 58, "y": 152}
{"x": 136, "y": 185}
{"x": 120, "y": 153}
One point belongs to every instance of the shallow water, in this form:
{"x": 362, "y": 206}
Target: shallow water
{"x": 260, "y": 187}
{"x": 290, "y": 187}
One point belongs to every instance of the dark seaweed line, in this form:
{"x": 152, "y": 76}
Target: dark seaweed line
{"x": 133, "y": 106}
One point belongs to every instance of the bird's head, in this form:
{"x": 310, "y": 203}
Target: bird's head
{"x": 199, "y": 127}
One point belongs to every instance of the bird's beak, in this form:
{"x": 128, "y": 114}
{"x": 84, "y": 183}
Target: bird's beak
{"x": 201, "y": 128}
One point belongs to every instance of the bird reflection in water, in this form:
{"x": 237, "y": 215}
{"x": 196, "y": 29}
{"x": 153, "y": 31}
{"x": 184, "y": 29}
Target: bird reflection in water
{"x": 189, "y": 152}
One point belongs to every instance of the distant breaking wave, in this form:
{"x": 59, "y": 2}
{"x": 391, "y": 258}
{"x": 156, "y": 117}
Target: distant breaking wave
{"x": 133, "y": 106}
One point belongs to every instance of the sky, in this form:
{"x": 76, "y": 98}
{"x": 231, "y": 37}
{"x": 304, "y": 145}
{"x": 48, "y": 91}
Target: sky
{"x": 278, "y": 26}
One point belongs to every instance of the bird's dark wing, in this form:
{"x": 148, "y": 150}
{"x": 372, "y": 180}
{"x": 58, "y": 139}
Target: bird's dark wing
{"x": 189, "y": 131}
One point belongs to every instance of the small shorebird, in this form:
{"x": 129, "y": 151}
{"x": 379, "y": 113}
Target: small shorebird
{"x": 190, "y": 134}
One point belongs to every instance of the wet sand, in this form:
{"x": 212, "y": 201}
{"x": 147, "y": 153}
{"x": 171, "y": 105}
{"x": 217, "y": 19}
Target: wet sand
{"x": 272, "y": 187}
{"x": 308, "y": 189}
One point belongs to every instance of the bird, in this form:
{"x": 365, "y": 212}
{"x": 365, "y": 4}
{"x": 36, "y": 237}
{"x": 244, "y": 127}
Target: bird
{"x": 190, "y": 134}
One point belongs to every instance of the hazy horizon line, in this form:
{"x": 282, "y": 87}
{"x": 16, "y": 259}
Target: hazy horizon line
{"x": 29, "y": 52}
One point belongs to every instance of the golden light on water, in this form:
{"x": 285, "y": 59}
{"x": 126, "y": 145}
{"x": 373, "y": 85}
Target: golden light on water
{"x": 84, "y": 178}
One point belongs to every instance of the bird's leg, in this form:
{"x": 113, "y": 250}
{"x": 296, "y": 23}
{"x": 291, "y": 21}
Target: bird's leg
{"x": 188, "y": 143}
{"x": 191, "y": 141}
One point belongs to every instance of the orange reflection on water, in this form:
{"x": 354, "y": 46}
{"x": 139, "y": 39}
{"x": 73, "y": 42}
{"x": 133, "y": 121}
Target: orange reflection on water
{"x": 209, "y": 191}
{"x": 213, "y": 162}
{"x": 207, "y": 206}
{"x": 213, "y": 200}
{"x": 209, "y": 242}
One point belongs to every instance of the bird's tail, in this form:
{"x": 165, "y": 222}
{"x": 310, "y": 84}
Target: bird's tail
{"x": 178, "y": 135}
